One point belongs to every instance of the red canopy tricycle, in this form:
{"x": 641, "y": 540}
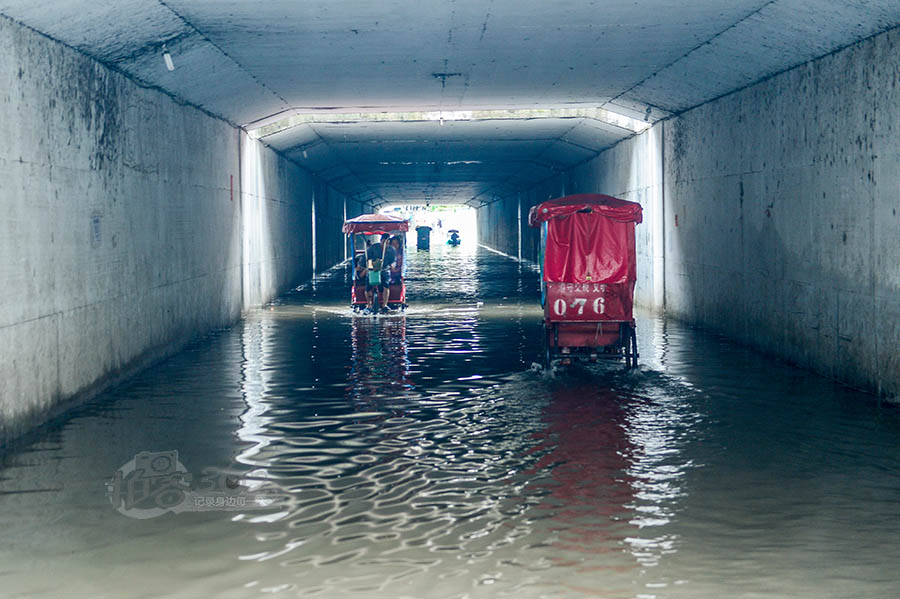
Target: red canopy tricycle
{"x": 370, "y": 271}
{"x": 587, "y": 277}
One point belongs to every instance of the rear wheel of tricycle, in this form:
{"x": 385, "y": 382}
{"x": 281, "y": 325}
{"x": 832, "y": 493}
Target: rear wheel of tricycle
{"x": 547, "y": 351}
{"x": 629, "y": 346}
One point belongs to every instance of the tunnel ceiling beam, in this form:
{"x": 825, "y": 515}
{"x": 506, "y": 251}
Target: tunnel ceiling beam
{"x": 625, "y": 124}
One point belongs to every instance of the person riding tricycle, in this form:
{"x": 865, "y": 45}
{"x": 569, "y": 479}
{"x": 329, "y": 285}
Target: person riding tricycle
{"x": 378, "y": 266}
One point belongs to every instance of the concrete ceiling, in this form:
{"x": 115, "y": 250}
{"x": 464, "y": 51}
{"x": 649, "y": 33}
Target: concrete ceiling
{"x": 253, "y": 62}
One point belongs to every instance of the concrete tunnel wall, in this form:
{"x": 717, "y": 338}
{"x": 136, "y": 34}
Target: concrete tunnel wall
{"x": 330, "y": 216}
{"x": 503, "y": 224}
{"x": 777, "y": 209}
{"x": 130, "y": 225}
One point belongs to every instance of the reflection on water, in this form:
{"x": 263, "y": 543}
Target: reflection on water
{"x": 379, "y": 362}
{"x": 419, "y": 456}
{"x": 586, "y": 451}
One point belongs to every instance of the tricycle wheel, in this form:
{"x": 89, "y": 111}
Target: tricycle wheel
{"x": 547, "y": 353}
{"x": 629, "y": 346}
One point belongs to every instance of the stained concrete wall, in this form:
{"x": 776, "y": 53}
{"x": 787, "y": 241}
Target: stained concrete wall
{"x": 633, "y": 170}
{"x": 125, "y": 230}
{"x": 503, "y": 224}
{"x": 786, "y": 198}
{"x": 329, "y": 220}
{"x": 780, "y": 215}
{"x": 498, "y": 225}
{"x": 276, "y": 203}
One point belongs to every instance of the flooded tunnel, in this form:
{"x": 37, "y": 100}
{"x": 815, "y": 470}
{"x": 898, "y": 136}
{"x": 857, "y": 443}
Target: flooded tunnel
{"x": 189, "y": 407}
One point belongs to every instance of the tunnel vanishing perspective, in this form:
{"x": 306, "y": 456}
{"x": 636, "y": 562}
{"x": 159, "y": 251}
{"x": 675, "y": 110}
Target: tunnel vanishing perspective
{"x": 174, "y": 177}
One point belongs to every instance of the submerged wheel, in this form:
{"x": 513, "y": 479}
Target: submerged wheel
{"x": 547, "y": 351}
{"x": 629, "y": 345}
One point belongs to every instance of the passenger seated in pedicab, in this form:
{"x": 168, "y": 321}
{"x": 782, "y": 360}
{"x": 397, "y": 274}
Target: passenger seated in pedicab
{"x": 380, "y": 258}
{"x": 373, "y": 265}
{"x": 362, "y": 272}
{"x": 363, "y": 260}
{"x": 397, "y": 266}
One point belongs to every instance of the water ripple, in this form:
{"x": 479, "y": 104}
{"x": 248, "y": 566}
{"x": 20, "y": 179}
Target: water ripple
{"x": 419, "y": 456}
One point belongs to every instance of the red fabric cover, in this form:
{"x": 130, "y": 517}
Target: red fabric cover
{"x": 608, "y": 206}
{"x": 375, "y": 223}
{"x": 589, "y": 257}
{"x": 587, "y": 247}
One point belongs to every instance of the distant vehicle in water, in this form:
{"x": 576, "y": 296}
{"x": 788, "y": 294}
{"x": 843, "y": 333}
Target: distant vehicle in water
{"x": 423, "y": 237}
{"x": 588, "y": 272}
{"x": 378, "y": 244}
{"x": 454, "y": 237}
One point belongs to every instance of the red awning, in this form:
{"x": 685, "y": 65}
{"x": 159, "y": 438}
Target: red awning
{"x": 608, "y": 206}
{"x": 376, "y": 223}
{"x": 590, "y": 239}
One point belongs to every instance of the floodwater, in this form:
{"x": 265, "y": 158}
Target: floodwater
{"x": 422, "y": 456}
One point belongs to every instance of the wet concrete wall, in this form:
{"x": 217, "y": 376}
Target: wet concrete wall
{"x": 330, "y": 241}
{"x": 500, "y": 224}
{"x": 125, "y": 229}
{"x": 781, "y": 213}
{"x": 276, "y": 207}
{"x": 633, "y": 171}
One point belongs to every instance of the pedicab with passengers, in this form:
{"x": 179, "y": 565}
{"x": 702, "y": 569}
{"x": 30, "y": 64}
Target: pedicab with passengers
{"x": 588, "y": 272}
{"x": 358, "y": 229}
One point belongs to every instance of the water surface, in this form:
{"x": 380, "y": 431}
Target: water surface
{"x": 421, "y": 456}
